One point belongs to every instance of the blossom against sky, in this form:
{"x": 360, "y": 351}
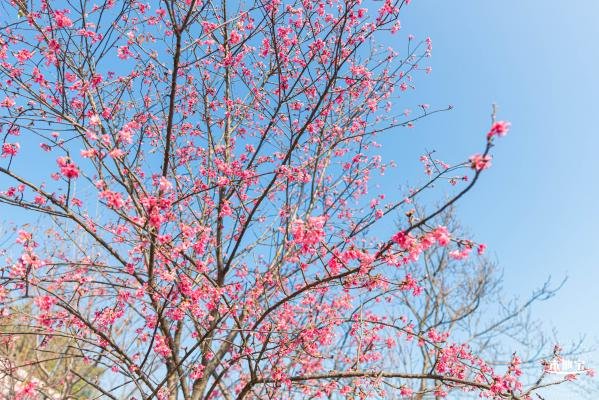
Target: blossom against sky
{"x": 536, "y": 208}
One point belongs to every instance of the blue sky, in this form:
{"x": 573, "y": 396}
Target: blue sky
{"x": 537, "y": 207}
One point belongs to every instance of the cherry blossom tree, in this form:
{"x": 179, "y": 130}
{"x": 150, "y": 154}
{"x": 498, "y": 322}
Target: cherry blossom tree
{"x": 202, "y": 171}
{"x": 50, "y": 363}
{"x": 466, "y": 298}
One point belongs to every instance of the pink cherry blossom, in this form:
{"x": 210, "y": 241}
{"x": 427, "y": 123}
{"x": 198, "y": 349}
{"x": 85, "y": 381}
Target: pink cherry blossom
{"x": 10, "y": 149}
{"x": 479, "y": 162}
{"x": 62, "y": 20}
{"x": 499, "y": 128}
{"x": 308, "y": 233}
{"x": 67, "y": 168}
{"x": 7, "y": 102}
{"x": 441, "y": 235}
{"x": 23, "y": 55}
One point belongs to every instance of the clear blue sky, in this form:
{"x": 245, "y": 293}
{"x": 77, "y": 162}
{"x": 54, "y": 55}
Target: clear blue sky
{"x": 537, "y": 207}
